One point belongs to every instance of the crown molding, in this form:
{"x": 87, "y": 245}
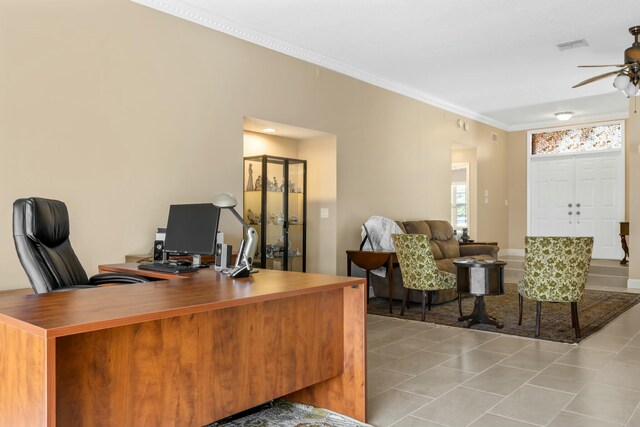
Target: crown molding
{"x": 620, "y": 115}
{"x": 182, "y": 9}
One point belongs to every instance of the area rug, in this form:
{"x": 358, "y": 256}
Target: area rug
{"x": 596, "y": 309}
{"x": 288, "y": 414}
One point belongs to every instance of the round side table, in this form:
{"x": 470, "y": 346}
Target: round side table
{"x": 480, "y": 278}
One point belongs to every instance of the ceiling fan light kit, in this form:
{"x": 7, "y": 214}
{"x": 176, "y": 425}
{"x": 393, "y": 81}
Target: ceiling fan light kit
{"x": 628, "y": 76}
{"x": 621, "y": 82}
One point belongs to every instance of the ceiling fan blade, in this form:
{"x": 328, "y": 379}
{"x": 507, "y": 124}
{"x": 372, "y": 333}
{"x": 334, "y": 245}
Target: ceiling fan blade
{"x": 593, "y": 79}
{"x": 610, "y": 65}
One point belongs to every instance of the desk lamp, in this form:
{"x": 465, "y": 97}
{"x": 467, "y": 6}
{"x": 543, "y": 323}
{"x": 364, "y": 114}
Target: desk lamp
{"x": 248, "y": 248}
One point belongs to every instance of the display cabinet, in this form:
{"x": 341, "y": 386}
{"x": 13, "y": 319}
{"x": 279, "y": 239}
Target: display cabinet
{"x": 275, "y": 203}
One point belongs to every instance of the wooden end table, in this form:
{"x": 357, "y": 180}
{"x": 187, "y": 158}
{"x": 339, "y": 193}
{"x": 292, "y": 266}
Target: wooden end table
{"x": 480, "y": 278}
{"x": 369, "y": 260}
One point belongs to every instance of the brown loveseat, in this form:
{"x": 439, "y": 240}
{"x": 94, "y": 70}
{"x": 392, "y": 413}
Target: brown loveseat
{"x": 445, "y": 248}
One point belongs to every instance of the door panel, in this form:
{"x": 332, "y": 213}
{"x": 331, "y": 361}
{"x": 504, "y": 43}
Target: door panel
{"x": 598, "y": 178}
{"x": 552, "y": 191}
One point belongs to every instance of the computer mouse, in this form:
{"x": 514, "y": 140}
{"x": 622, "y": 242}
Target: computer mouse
{"x": 183, "y": 262}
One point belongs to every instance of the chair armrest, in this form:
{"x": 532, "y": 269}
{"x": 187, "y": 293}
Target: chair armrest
{"x": 470, "y": 250}
{"x": 100, "y": 279}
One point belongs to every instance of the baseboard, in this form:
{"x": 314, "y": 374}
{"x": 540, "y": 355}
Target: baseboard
{"x": 512, "y": 252}
{"x": 633, "y": 283}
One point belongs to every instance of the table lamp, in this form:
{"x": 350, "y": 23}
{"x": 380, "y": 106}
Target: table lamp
{"x": 248, "y": 248}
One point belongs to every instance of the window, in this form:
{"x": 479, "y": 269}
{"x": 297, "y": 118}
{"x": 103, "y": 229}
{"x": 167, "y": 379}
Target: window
{"x": 577, "y": 140}
{"x": 459, "y": 205}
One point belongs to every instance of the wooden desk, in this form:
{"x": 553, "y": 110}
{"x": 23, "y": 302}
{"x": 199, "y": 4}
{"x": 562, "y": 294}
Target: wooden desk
{"x": 182, "y": 352}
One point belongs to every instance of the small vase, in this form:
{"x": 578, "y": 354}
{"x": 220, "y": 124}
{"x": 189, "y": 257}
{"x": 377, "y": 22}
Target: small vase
{"x": 465, "y": 235}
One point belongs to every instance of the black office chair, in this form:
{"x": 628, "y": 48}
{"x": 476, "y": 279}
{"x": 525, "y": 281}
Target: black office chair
{"x": 41, "y": 235}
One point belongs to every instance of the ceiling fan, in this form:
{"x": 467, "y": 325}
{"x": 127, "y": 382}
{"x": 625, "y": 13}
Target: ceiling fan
{"x": 628, "y": 74}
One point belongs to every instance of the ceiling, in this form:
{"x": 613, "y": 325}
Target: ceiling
{"x": 495, "y": 61}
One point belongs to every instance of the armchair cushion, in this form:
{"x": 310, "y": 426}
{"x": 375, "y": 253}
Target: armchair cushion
{"x": 555, "y": 268}
{"x": 418, "y": 268}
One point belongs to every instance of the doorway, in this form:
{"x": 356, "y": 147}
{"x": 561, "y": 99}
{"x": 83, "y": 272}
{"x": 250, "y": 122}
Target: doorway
{"x": 575, "y": 190}
{"x": 460, "y": 196}
{"x": 319, "y": 149}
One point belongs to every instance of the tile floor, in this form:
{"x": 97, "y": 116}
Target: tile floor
{"x": 425, "y": 375}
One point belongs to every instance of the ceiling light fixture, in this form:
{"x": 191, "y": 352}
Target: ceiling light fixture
{"x": 268, "y": 130}
{"x": 564, "y": 115}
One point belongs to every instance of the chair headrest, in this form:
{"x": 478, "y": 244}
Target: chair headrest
{"x": 45, "y": 220}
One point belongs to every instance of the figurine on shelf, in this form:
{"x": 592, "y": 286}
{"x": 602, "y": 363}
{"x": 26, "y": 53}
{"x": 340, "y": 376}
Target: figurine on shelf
{"x": 271, "y": 218}
{"x": 280, "y": 219}
{"x": 269, "y": 185}
{"x": 251, "y": 217}
{"x": 258, "y": 185}
{"x": 281, "y": 189}
{"x": 250, "y": 180}
{"x": 275, "y": 184}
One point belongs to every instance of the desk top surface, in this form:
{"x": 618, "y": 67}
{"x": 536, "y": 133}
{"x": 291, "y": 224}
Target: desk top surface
{"x": 83, "y": 310}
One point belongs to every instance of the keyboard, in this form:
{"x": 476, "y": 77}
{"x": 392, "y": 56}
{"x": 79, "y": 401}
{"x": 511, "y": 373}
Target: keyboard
{"x": 168, "y": 268}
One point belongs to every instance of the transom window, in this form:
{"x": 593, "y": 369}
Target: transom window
{"x": 577, "y": 140}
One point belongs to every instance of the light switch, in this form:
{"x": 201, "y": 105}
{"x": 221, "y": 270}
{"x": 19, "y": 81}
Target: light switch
{"x": 324, "y": 213}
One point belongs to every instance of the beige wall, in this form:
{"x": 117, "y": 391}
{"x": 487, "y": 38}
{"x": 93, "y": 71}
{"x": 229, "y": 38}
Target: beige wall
{"x": 120, "y": 110}
{"x": 257, "y": 144}
{"x": 322, "y": 187}
{"x": 633, "y": 200}
{"x": 517, "y": 171}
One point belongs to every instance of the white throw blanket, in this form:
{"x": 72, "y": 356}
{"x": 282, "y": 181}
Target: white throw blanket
{"x": 379, "y": 229}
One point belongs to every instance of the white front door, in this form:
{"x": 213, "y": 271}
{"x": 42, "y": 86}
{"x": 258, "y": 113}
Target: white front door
{"x": 580, "y": 195}
{"x": 551, "y": 192}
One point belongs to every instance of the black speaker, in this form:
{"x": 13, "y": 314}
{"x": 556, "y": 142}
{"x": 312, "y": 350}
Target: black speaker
{"x": 158, "y": 249}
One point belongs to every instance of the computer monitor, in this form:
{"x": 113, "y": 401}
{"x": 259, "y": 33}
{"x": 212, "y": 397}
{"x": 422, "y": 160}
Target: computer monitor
{"x": 192, "y": 229}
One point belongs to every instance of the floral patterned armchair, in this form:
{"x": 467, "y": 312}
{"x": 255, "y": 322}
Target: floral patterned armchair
{"x": 555, "y": 270}
{"x": 419, "y": 270}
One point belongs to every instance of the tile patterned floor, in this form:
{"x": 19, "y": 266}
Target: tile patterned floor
{"x": 425, "y": 375}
